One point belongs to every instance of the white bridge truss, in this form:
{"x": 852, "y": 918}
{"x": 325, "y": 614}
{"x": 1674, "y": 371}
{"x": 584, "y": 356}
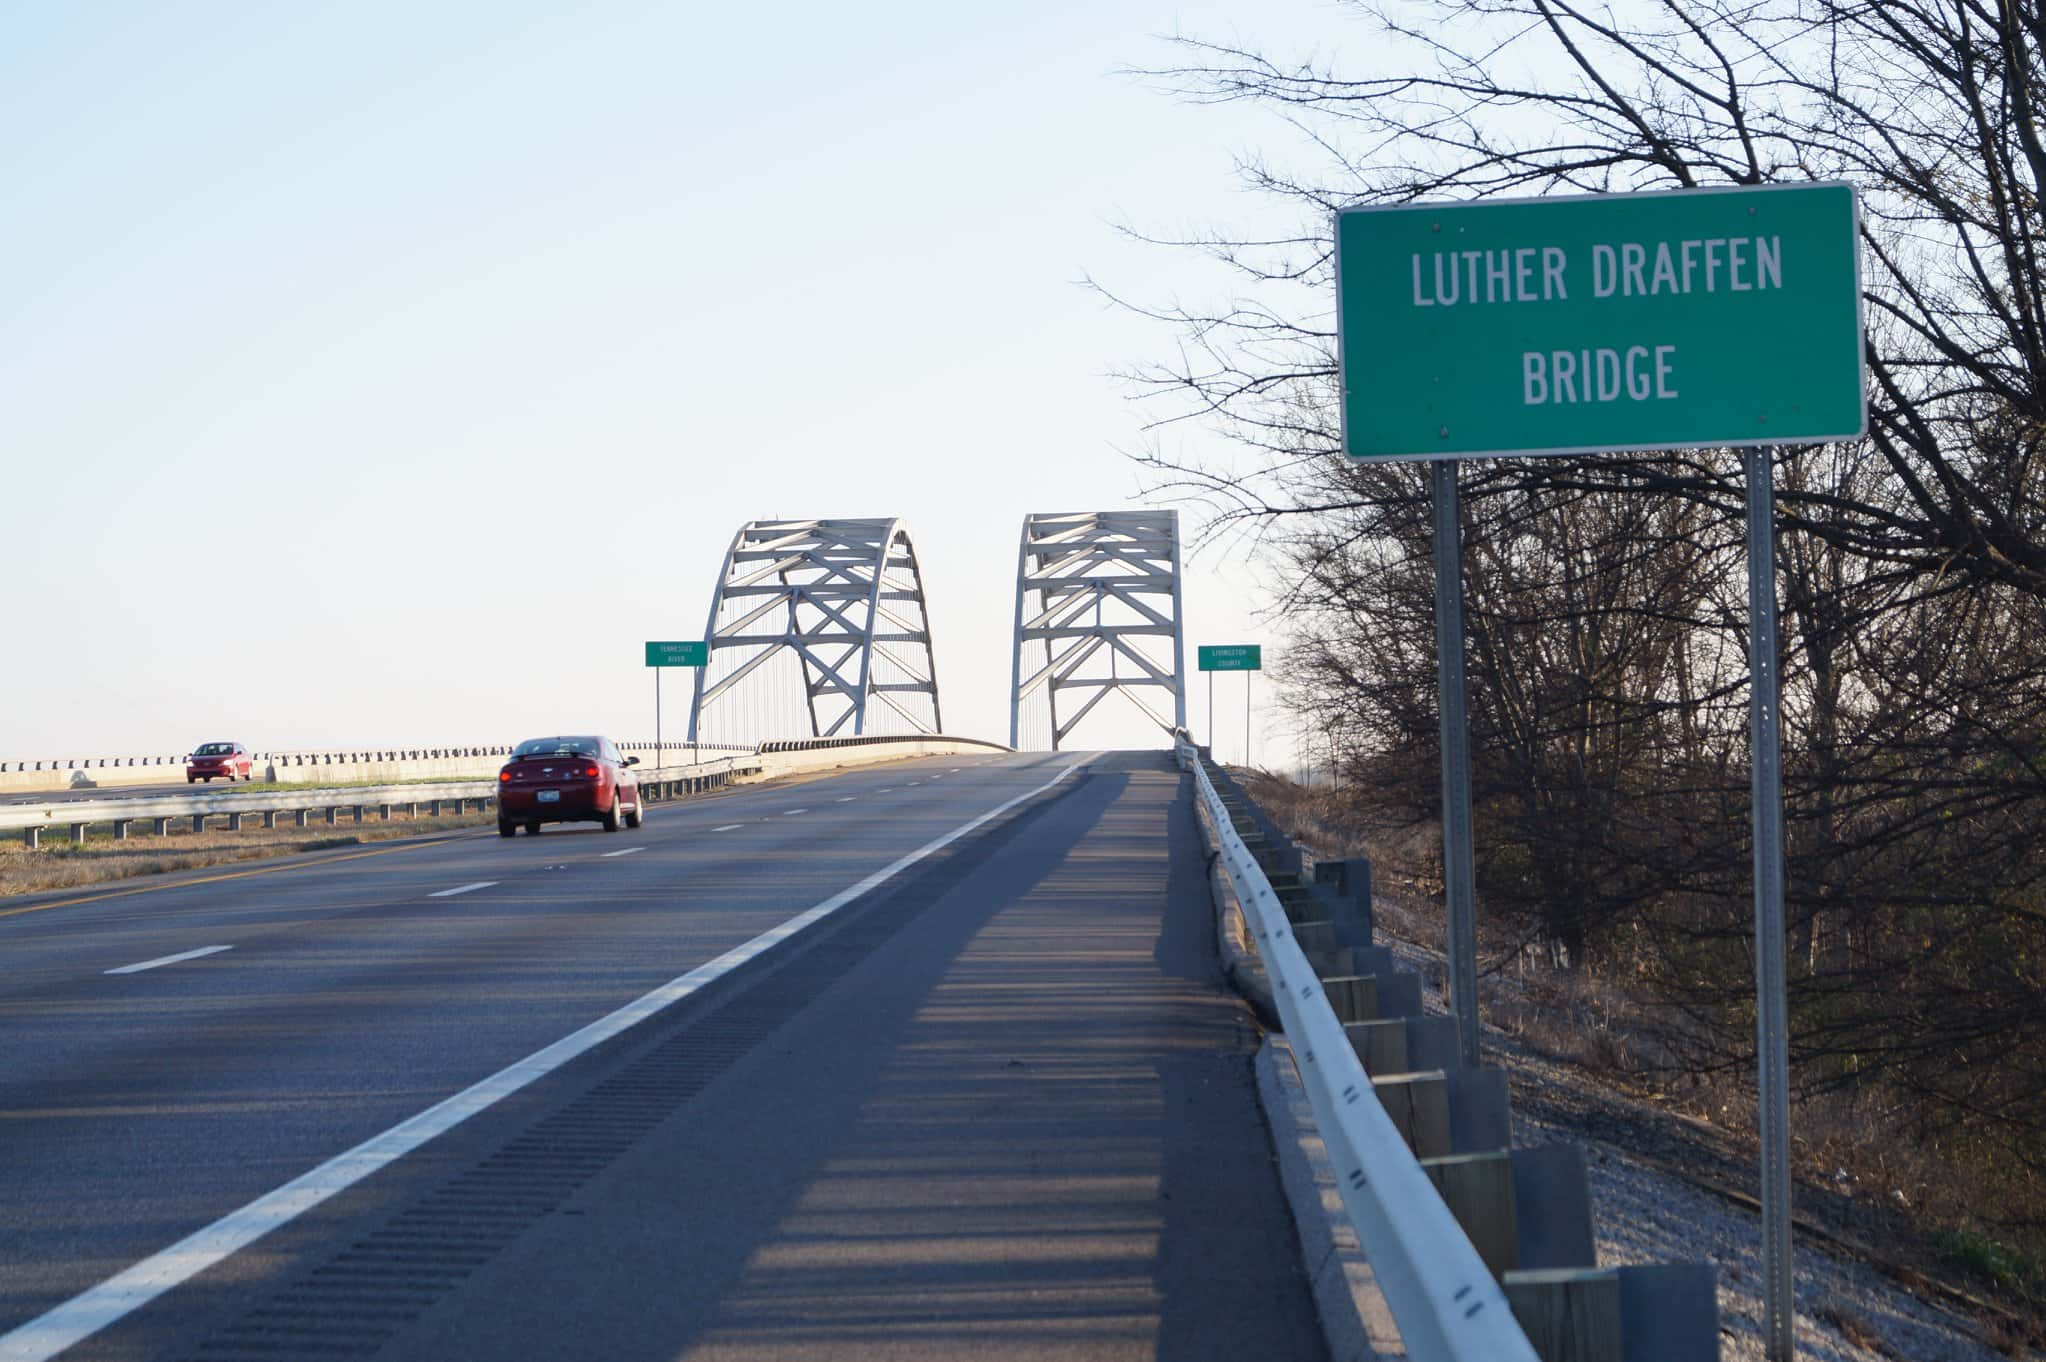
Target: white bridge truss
{"x": 1097, "y": 598}
{"x": 836, "y": 603}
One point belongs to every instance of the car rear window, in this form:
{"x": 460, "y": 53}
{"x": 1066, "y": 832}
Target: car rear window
{"x": 556, "y": 747}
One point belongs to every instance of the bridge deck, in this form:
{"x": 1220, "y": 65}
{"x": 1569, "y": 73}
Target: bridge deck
{"x": 1023, "y": 1126}
{"x": 1002, "y": 1103}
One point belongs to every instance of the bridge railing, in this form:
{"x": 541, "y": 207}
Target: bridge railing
{"x": 1442, "y": 1295}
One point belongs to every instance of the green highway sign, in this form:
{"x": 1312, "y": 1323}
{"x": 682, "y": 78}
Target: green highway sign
{"x": 1593, "y": 323}
{"x": 1231, "y": 657}
{"x": 694, "y": 653}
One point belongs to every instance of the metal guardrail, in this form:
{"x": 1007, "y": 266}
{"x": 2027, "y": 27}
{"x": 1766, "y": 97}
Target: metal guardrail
{"x": 1444, "y": 1299}
{"x": 351, "y": 757}
{"x": 84, "y": 812}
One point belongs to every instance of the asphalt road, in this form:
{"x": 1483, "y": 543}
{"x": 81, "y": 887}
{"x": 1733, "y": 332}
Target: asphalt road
{"x": 997, "y": 1100}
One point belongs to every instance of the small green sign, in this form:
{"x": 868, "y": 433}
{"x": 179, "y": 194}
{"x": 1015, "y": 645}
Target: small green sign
{"x": 1231, "y": 657}
{"x": 694, "y": 653}
{"x": 1602, "y": 322}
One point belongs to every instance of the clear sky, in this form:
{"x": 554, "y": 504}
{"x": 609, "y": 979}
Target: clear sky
{"x": 387, "y": 373}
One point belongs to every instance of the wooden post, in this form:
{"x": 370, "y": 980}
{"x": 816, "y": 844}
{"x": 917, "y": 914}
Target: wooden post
{"x": 1419, "y": 1107}
{"x": 1353, "y": 997}
{"x": 1568, "y": 1314}
{"x": 1478, "y": 1189}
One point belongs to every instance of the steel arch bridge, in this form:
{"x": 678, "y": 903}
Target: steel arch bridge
{"x": 1100, "y": 591}
{"x": 837, "y": 605}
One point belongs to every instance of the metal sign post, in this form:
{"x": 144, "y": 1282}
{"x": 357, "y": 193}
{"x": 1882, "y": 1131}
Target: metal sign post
{"x": 687, "y": 653}
{"x": 1772, "y": 1042}
{"x": 1230, "y": 657}
{"x": 1584, "y": 324}
{"x": 1459, "y": 863}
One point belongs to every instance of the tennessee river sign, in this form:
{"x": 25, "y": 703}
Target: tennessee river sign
{"x": 1604, "y": 322}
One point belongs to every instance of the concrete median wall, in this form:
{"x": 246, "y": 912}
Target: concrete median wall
{"x": 863, "y": 754}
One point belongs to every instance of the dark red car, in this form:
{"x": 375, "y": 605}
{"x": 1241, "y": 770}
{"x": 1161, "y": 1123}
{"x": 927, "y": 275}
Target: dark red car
{"x": 567, "y": 780}
{"x": 219, "y": 759}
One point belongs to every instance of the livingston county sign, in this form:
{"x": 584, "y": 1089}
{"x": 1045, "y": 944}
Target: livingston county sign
{"x": 1585, "y": 324}
{"x": 1231, "y": 657}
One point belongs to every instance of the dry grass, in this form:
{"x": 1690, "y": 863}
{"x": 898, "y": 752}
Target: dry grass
{"x": 61, "y": 865}
{"x": 1878, "y": 1183}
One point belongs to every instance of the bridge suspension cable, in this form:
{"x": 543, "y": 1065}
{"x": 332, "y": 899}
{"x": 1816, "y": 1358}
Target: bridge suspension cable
{"x": 1099, "y": 591}
{"x": 817, "y": 629}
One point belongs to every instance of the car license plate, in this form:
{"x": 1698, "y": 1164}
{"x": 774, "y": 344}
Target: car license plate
{"x": 549, "y": 796}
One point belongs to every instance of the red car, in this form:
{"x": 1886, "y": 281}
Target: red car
{"x": 567, "y": 780}
{"x": 211, "y": 759}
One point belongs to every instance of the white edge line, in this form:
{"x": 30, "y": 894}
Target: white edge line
{"x": 168, "y": 960}
{"x": 729, "y": 827}
{"x": 461, "y": 889}
{"x": 97, "y": 1307}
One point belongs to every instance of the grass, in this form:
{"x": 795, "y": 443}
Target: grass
{"x": 63, "y": 865}
{"x": 1900, "y": 1190}
{"x": 2004, "y": 1266}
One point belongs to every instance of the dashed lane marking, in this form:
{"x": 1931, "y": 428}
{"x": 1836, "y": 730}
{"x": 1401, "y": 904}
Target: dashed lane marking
{"x": 626, "y": 852}
{"x": 461, "y": 889}
{"x": 168, "y": 960}
{"x": 729, "y": 827}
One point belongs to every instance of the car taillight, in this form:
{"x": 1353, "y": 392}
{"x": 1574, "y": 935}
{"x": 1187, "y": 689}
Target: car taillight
{"x": 504, "y": 775}
{"x": 591, "y": 771}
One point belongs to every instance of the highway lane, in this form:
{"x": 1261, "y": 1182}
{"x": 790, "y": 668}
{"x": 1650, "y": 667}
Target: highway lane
{"x": 135, "y": 1107}
{"x": 353, "y": 996}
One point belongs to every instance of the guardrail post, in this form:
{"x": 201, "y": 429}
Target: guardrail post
{"x": 1552, "y": 1189}
{"x": 333, "y": 814}
{"x": 162, "y": 826}
{"x": 234, "y": 822}
{"x": 269, "y": 818}
{"x": 1570, "y": 1314}
{"x": 78, "y": 834}
{"x": 32, "y": 838}
{"x": 357, "y": 810}
{"x": 1478, "y": 1189}
{"x": 121, "y": 829}
{"x": 302, "y": 816}
{"x": 198, "y": 822}
{"x": 436, "y": 808}
{"x": 1418, "y": 1105}
{"x": 383, "y": 813}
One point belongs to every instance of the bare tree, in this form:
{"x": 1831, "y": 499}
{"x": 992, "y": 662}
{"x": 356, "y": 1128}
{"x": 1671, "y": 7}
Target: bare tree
{"x": 1607, "y": 631}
